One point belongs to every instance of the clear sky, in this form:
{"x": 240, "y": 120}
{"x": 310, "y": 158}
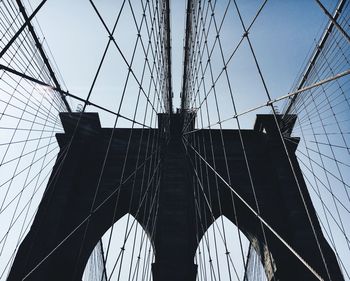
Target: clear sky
{"x": 282, "y": 36}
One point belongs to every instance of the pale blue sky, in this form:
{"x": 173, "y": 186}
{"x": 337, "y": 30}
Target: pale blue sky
{"x": 282, "y": 36}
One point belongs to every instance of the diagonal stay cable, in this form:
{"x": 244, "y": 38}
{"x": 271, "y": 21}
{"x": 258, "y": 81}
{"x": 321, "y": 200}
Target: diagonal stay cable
{"x": 86, "y": 102}
{"x": 272, "y": 101}
{"x": 3, "y": 51}
{"x": 72, "y": 96}
{"x": 121, "y": 54}
{"x": 232, "y": 54}
{"x": 89, "y": 216}
{"x": 275, "y": 233}
{"x": 334, "y": 21}
{"x": 283, "y": 141}
{"x": 111, "y": 137}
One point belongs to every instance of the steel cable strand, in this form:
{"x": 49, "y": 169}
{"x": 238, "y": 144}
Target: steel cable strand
{"x": 284, "y": 145}
{"x": 258, "y": 216}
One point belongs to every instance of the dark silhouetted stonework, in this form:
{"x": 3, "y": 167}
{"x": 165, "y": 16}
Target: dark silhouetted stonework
{"x": 66, "y": 204}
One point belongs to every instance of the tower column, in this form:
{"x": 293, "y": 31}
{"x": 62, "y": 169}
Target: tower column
{"x": 175, "y": 241}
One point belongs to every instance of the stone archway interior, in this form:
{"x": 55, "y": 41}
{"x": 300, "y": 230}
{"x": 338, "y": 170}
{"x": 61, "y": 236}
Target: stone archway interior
{"x": 126, "y": 251}
{"x": 225, "y": 249}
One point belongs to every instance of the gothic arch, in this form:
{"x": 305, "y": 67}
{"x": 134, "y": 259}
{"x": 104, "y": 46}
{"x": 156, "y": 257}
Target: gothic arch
{"x": 231, "y": 260}
{"x": 175, "y": 242}
{"x": 270, "y": 189}
{"x": 77, "y": 209}
{"x": 138, "y": 242}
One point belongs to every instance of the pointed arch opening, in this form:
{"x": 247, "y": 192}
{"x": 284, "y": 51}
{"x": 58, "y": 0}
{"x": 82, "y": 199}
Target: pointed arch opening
{"x": 124, "y": 252}
{"x": 225, "y": 253}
